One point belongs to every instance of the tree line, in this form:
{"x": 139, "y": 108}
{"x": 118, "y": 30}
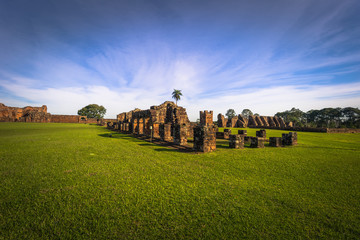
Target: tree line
{"x": 348, "y": 117}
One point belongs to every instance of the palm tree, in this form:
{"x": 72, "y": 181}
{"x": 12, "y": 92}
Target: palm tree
{"x": 176, "y": 95}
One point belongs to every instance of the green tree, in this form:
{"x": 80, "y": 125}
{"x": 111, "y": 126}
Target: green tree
{"x": 176, "y": 95}
{"x": 246, "y": 113}
{"x": 230, "y": 113}
{"x": 92, "y": 111}
{"x": 296, "y": 116}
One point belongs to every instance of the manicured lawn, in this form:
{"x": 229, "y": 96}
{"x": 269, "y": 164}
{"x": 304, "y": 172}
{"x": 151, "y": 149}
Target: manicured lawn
{"x": 72, "y": 181}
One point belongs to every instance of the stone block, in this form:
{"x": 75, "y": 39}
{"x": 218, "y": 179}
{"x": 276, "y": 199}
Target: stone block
{"x": 206, "y": 118}
{"x": 289, "y": 138}
{"x": 257, "y": 142}
{"x": 242, "y": 132}
{"x": 180, "y": 134}
{"x": 261, "y": 133}
{"x": 236, "y": 141}
{"x": 223, "y": 135}
{"x": 275, "y": 141}
{"x": 247, "y": 139}
{"x": 165, "y": 132}
{"x": 204, "y": 139}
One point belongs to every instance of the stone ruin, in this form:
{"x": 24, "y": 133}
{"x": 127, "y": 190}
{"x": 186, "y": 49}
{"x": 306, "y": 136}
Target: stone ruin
{"x": 39, "y": 115}
{"x": 253, "y": 121}
{"x": 26, "y": 114}
{"x": 169, "y": 123}
{"x": 224, "y": 135}
{"x": 236, "y": 141}
{"x": 205, "y": 133}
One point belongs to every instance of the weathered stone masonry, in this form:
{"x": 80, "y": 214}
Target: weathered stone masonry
{"x": 166, "y": 121}
{"x": 205, "y": 133}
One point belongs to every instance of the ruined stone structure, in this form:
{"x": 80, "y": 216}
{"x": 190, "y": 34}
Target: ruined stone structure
{"x": 221, "y": 120}
{"x": 267, "y": 122}
{"x": 275, "y": 141}
{"x": 236, "y": 141}
{"x": 204, "y": 133}
{"x": 165, "y": 132}
{"x": 233, "y": 122}
{"x": 261, "y": 133}
{"x": 289, "y": 138}
{"x": 166, "y": 121}
{"x": 257, "y": 142}
{"x": 253, "y": 121}
{"x": 180, "y": 135}
{"x": 39, "y": 115}
{"x": 223, "y": 135}
{"x": 238, "y": 121}
{"x": 242, "y": 132}
{"x": 26, "y": 114}
{"x": 242, "y": 121}
{"x": 68, "y": 119}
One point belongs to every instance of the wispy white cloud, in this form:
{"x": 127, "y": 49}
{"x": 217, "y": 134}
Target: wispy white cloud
{"x": 268, "y": 57}
{"x": 264, "y": 101}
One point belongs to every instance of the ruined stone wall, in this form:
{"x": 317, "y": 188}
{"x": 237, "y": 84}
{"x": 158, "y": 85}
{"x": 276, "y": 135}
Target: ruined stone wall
{"x": 252, "y": 121}
{"x": 40, "y": 115}
{"x": 66, "y": 119}
{"x": 206, "y": 118}
{"x": 26, "y": 114}
{"x": 205, "y": 133}
{"x": 233, "y": 122}
{"x": 342, "y": 130}
{"x": 92, "y": 120}
{"x": 242, "y": 121}
{"x": 221, "y": 120}
{"x": 162, "y": 121}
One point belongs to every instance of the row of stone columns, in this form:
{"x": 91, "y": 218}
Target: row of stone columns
{"x": 238, "y": 140}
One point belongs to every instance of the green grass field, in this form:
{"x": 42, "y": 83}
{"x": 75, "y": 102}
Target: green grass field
{"x": 72, "y": 181}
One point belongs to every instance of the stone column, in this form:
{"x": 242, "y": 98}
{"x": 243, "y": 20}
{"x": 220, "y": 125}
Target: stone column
{"x": 205, "y": 133}
{"x": 204, "y": 139}
{"x": 236, "y": 141}
{"x": 180, "y": 134}
{"x": 141, "y": 126}
{"x": 257, "y": 142}
{"x": 275, "y": 141}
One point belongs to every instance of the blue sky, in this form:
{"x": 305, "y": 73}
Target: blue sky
{"x": 268, "y": 56}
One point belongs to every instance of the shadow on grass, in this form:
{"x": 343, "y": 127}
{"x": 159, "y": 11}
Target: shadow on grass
{"x": 143, "y": 140}
{"x": 165, "y": 150}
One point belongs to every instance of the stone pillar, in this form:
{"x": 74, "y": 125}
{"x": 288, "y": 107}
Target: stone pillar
{"x": 227, "y": 133}
{"x": 204, "y": 138}
{"x": 236, "y": 141}
{"x": 261, "y": 133}
{"x": 180, "y": 134}
{"x": 264, "y": 121}
{"x": 141, "y": 126}
{"x": 242, "y": 132}
{"x": 289, "y": 139}
{"x": 257, "y": 142}
{"x": 221, "y": 120}
{"x": 204, "y": 133}
{"x": 271, "y": 121}
{"x": 135, "y": 126}
{"x": 275, "y": 141}
{"x": 206, "y": 118}
{"x": 147, "y": 124}
{"x": 165, "y": 132}
{"x": 156, "y": 130}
